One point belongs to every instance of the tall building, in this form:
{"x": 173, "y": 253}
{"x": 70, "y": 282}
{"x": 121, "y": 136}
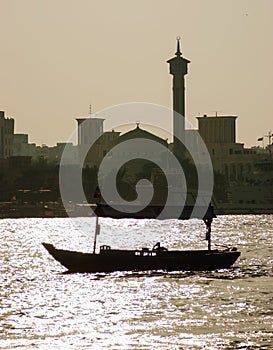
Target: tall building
{"x": 93, "y": 142}
{"x": 6, "y": 135}
{"x": 217, "y": 129}
{"x": 89, "y": 130}
{"x": 178, "y": 68}
{"x": 228, "y": 156}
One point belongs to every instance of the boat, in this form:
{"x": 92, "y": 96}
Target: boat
{"x": 110, "y": 260}
{"x": 146, "y": 259}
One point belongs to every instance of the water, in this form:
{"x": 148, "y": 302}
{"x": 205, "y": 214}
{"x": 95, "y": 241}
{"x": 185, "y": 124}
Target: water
{"x": 42, "y": 308}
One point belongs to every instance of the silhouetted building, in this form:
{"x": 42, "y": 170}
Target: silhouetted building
{"x": 217, "y": 129}
{"x": 89, "y": 130}
{"x": 99, "y": 149}
{"x": 21, "y": 147}
{"x": 178, "y": 68}
{"x": 54, "y": 154}
{"x": 137, "y": 150}
{"x": 228, "y": 157}
{"x": 6, "y": 135}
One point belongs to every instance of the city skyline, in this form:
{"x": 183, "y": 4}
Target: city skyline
{"x": 58, "y": 58}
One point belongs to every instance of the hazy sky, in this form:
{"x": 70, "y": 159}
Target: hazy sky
{"x": 58, "y": 56}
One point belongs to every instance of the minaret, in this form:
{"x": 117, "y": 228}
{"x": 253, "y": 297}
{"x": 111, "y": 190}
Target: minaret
{"x": 178, "y": 68}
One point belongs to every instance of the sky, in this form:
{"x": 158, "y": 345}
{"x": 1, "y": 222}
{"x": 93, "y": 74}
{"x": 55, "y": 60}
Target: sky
{"x": 60, "y": 56}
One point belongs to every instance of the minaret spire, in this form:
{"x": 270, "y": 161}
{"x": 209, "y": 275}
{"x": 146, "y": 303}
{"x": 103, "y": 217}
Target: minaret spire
{"x": 178, "y": 52}
{"x": 178, "y": 69}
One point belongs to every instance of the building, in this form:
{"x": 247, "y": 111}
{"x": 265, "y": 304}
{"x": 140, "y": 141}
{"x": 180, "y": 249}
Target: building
{"x": 6, "y": 135}
{"x": 21, "y": 147}
{"x": 89, "y": 130}
{"x": 134, "y": 150}
{"x": 229, "y": 157}
{"x": 94, "y": 154}
{"x": 217, "y": 129}
{"x": 178, "y": 69}
{"x": 53, "y": 154}
{"x": 93, "y": 142}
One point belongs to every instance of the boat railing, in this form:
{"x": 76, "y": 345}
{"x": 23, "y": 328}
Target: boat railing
{"x": 145, "y": 252}
{"x": 104, "y": 248}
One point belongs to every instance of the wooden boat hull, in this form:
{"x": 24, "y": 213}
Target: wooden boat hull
{"x": 109, "y": 260}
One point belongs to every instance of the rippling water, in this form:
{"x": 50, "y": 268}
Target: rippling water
{"x": 42, "y": 308}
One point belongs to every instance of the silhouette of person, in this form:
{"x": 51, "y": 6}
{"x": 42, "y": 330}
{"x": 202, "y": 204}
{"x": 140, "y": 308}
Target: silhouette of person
{"x": 158, "y": 247}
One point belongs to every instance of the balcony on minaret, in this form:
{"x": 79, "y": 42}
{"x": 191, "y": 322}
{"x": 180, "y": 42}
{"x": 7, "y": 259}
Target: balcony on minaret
{"x": 178, "y": 64}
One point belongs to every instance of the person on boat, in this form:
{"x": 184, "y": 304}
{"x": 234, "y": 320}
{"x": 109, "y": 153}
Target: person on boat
{"x": 158, "y": 247}
{"x": 208, "y": 222}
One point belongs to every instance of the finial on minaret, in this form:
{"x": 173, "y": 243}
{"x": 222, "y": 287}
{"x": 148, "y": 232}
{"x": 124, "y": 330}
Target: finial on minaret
{"x": 178, "y": 52}
{"x": 90, "y": 110}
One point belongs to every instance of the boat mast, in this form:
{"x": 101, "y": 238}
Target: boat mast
{"x": 97, "y": 232}
{"x": 97, "y": 195}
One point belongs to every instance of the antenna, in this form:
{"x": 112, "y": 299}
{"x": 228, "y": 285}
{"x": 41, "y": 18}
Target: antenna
{"x": 216, "y": 113}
